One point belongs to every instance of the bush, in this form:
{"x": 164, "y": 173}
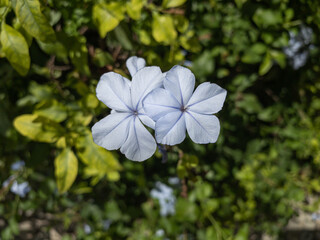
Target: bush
{"x": 252, "y": 181}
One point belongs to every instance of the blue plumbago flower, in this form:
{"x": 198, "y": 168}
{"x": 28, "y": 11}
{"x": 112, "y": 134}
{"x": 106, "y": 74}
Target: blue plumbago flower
{"x": 123, "y": 128}
{"x": 18, "y": 165}
{"x": 175, "y": 108}
{"x": 20, "y": 189}
{"x": 166, "y": 199}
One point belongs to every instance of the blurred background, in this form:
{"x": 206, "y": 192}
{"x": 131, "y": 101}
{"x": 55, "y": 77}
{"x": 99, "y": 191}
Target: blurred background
{"x": 260, "y": 181}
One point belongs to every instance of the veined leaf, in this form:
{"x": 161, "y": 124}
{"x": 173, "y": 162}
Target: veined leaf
{"x": 163, "y": 29}
{"x": 37, "y": 128}
{"x": 172, "y": 3}
{"x": 15, "y": 48}
{"x": 99, "y": 162}
{"x": 31, "y": 18}
{"x": 107, "y": 16}
{"x": 66, "y": 169}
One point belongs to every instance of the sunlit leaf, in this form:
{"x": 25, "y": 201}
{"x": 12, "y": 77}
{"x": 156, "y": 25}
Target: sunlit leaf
{"x": 52, "y": 110}
{"x": 163, "y": 29}
{"x": 31, "y": 18}
{"x": 15, "y": 48}
{"x": 66, "y": 169}
{"x": 99, "y": 162}
{"x": 37, "y": 128}
{"x": 172, "y": 3}
{"x": 134, "y": 8}
{"x": 107, "y": 16}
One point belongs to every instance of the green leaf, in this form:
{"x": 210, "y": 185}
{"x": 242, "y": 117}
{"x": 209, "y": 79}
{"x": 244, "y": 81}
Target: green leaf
{"x": 107, "y": 16}
{"x": 99, "y": 162}
{"x": 52, "y": 110}
{"x": 266, "y": 64}
{"x": 66, "y": 169}
{"x": 240, "y": 3}
{"x": 134, "y": 8}
{"x": 163, "y": 29}
{"x": 204, "y": 65}
{"x": 31, "y": 18}
{"x": 279, "y": 57}
{"x": 191, "y": 44}
{"x": 243, "y": 233}
{"x": 144, "y": 36}
{"x": 15, "y": 48}
{"x": 182, "y": 24}
{"x": 186, "y": 211}
{"x": 121, "y": 34}
{"x": 4, "y": 3}
{"x": 267, "y": 18}
{"x": 55, "y": 48}
{"x": 37, "y": 128}
{"x": 249, "y": 103}
{"x": 172, "y": 3}
{"x": 78, "y": 51}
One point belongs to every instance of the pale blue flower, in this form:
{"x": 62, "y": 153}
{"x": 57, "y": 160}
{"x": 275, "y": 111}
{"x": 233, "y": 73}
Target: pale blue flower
{"x": 18, "y": 165}
{"x": 175, "y": 108}
{"x": 166, "y": 199}
{"x": 20, "y": 189}
{"x": 298, "y": 49}
{"x": 106, "y": 224}
{"x": 87, "y": 229}
{"x": 123, "y": 128}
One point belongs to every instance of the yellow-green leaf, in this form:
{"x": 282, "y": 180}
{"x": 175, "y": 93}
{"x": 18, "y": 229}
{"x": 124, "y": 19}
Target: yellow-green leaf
{"x": 163, "y": 29}
{"x": 107, "y": 16}
{"x": 15, "y": 48}
{"x": 172, "y": 3}
{"x": 99, "y": 162}
{"x": 31, "y": 18}
{"x": 53, "y": 110}
{"x": 190, "y": 42}
{"x": 37, "y": 128}
{"x": 66, "y": 169}
{"x": 144, "y": 36}
{"x": 4, "y": 3}
{"x": 134, "y": 8}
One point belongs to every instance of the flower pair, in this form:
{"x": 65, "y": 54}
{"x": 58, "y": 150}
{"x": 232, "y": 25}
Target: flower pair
{"x": 161, "y": 101}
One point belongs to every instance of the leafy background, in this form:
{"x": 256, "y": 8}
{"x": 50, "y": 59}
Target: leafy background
{"x": 261, "y": 172}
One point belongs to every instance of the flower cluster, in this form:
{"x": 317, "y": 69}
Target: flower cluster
{"x": 164, "y": 102}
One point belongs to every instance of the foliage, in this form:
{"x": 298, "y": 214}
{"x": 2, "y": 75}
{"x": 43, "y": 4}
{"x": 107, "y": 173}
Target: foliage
{"x": 252, "y": 181}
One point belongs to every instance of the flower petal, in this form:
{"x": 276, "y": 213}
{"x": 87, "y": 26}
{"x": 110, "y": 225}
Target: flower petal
{"x": 114, "y": 92}
{"x": 112, "y": 131}
{"x": 144, "y": 82}
{"x": 145, "y": 119}
{"x": 140, "y": 145}
{"x": 171, "y": 128}
{"x": 134, "y": 64}
{"x": 202, "y": 128}
{"x": 208, "y": 98}
{"x": 180, "y": 82}
{"x": 159, "y": 102}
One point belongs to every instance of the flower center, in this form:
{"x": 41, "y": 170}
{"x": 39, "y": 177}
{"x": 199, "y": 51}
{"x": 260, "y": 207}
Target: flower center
{"x": 135, "y": 113}
{"x": 183, "y": 108}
